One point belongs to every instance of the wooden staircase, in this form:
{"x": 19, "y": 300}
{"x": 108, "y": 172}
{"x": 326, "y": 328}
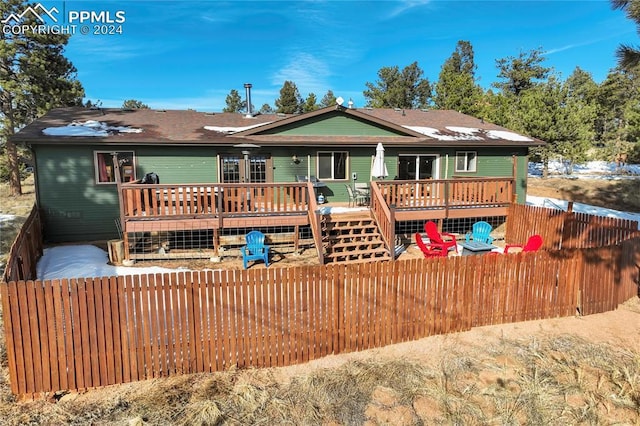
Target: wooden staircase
{"x": 352, "y": 237}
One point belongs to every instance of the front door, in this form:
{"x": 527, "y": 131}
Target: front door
{"x": 417, "y": 167}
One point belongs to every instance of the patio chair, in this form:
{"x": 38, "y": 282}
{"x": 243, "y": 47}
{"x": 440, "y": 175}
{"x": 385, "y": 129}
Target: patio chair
{"x": 533, "y": 244}
{"x": 440, "y": 239}
{"x": 480, "y": 231}
{"x": 355, "y": 198}
{"x": 429, "y": 250}
{"x": 255, "y": 249}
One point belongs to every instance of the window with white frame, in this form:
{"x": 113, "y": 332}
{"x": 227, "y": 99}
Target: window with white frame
{"x": 103, "y": 161}
{"x": 332, "y": 165}
{"x": 466, "y": 161}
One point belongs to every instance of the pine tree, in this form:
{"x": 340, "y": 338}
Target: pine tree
{"x": 134, "y": 104}
{"x": 310, "y": 104}
{"x": 266, "y": 109}
{"x": 34, "y": 78}
{"x": 618, "y": 96}
{"x": 399, "y": 89}
{"x": 290, "y": 101}
{"x": 628, "y": 56}
{"x": 521, "y": 73}
{"x": 234, "y": 102}
{"x": 328, "y": 99}
{"x": 456, "y": 88}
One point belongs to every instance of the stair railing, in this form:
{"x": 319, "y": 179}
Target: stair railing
{"x": 385, "y": 218}
{"x": 315, "y": 222}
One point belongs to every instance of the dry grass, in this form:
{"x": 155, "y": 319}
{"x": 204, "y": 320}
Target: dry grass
{"x": 560, "y": 380}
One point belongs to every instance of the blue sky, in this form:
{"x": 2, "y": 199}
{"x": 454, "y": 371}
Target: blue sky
{"x": 190, "y": 54}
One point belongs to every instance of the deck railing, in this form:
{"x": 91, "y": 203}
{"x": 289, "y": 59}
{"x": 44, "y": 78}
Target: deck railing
{"x": 212, "y": 200}
{"x": 447, "y": 193}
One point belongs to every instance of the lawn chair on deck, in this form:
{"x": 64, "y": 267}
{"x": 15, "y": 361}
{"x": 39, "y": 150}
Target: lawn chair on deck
{"x": 437, "y": 239}
{"x": 481, "y": 232}
{"x": 255, "y": 249}
{"x": 533, "y": 244}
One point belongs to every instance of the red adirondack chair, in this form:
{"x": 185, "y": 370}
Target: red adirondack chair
{"x": 533, "y": 244}
{"x": 437, "y": 239}
{"x": 427, "y": 250}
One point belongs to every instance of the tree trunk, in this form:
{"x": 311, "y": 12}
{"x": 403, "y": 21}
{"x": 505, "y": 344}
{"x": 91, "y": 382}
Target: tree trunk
{"x": 15, "y": 186}
{"x": 545, "y": 168}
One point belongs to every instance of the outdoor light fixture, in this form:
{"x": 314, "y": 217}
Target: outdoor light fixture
{"x": 295, "y": 159}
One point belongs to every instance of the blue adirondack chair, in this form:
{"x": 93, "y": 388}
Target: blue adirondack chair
{"x": 480, "y": 232}
{"x": 255, "y": 249}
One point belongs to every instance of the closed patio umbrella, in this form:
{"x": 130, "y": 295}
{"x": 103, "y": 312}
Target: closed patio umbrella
{"x": 379, "y": 168}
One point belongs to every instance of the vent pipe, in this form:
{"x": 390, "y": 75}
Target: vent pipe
{"x": 247, "y": 87}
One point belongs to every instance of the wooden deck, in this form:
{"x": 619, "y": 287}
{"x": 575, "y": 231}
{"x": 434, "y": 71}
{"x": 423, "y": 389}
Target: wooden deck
{"x": 218, "y": 206}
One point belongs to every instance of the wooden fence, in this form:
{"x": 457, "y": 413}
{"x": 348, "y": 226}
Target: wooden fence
{"x": 91, "y": 332}
{"x": 565, "y": 229}
{"x": 25, "y": 250}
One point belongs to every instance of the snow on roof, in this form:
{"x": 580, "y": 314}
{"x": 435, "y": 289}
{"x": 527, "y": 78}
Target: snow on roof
{"x": 230, "y": 129}
{"x": 509, "y": 136}
{"x": 90, "y": 128}
{"x": 434, "y": 133}
{"x": 469, "y": 133}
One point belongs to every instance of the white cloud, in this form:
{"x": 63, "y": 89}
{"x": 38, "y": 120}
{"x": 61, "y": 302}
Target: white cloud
{"x": 405, "y": 6}
{"x": 307, "y": 71}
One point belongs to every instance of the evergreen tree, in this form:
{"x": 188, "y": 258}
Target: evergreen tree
{"x": 456, "y": 88}
{"x": 290, "y": 101}
{"x": 234, "y": 102}
{"x": 266, "y": 109}
{"x": 537, "y": 113}
{"x": 618, "y": 96}
{"x": 34, "y": 78}
{"x": 399, "y": 89}
{"x": 580, "y": 118}
{"x": 328, "y": 99}
{"x": 521, "y": 73}
{"x": 628, "y": 56}
{"x": 134, "y": 104}
{"x": 310, "y": 104}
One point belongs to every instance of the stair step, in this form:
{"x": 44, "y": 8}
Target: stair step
{"x": 356, "y": 253}
{"x": 353, "y": 243}
{"x": 346, "y": 235}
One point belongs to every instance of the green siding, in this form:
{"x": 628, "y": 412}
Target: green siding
{"x": 178, "y": 165}
{"x": 334, "y": 125}
{"x": 76, "y": 209}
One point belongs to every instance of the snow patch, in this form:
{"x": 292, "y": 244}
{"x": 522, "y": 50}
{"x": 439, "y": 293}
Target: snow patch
{"x": 229, "y": 129}
{"x": 90, "y": 128}
{"x": 469, "y": 133}
{"x": 508, "y": 136}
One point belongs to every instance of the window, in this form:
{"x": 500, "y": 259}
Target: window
{"x": 332, "y": 165}
{"x": 104, "y": 167}
{"x": 466, "y": 161}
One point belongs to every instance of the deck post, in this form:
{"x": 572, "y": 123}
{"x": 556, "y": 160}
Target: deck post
{"x": 116, "y": 175}
{"x": 216, "y": 241}
{"x": 514, "y": 195}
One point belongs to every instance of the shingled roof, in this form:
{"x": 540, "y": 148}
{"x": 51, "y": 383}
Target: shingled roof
{"x": 187, "y": 127}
